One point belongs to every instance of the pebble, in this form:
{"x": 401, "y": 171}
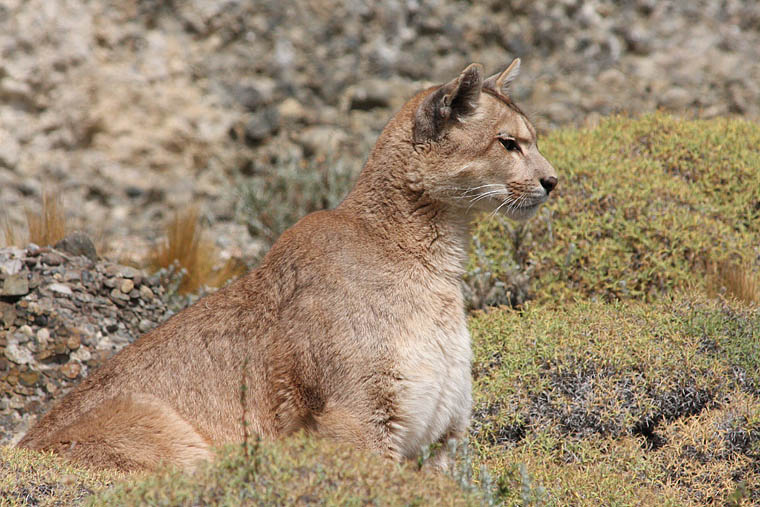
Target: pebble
{"x": 126, "y": 286}
{"x": 18, "y": 354}
{"x": 78, "y": 243}
{"x": 29, "y": 378}
{"x": 146, "y": 293}
{"x": 145, "y": 325}
{"x": 73, "y": 342}
{"x": 11, "y": 266}
{"x": 71, "y": 370}
{"x": 60, "y": 288}
{"x": 43, "y": 334}
{"x": 15, "y": 285}
{"x": 52, "y": 259}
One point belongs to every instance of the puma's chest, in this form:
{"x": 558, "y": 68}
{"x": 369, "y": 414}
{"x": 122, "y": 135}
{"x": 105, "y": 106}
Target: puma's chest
{"x": 434, "y": 396}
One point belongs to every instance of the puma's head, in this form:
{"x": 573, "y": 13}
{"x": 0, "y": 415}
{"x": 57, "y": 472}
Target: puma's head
{"x": 480, "y": 152}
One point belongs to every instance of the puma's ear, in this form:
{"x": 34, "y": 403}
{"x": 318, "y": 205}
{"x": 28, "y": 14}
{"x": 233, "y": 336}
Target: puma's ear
{"x": 500, "y": 82}
{"x": 450, "y": 102}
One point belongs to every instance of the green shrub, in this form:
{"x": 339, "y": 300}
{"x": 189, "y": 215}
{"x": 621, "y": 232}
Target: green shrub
{"x": 276, "y": 197}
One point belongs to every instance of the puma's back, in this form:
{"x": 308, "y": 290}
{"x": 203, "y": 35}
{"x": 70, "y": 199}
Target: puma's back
{"x": 352, "y": 327}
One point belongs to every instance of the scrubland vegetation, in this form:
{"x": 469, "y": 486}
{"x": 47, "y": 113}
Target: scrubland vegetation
{"x": 616, "y": 339}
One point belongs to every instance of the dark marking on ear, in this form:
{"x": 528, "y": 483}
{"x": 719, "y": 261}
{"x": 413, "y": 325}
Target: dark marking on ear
{"x": 452, "y": 101}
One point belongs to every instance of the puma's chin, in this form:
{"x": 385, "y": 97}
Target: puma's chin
{"x": 524, "y": 211}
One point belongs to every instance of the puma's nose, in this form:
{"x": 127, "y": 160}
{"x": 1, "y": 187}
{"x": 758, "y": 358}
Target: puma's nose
{"x": 548, "y": 183}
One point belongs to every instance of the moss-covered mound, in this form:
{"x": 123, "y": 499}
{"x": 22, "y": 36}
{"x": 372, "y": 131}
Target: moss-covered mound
{"x": 643, "y": 206}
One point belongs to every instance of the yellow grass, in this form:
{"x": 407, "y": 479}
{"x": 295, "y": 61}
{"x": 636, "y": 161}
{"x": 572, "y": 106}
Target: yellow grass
{"x": 185, "y": 245}
{"x": 49, "y": 225}
{"x": 10, "y": 235}
{"x": 736, "y": 281}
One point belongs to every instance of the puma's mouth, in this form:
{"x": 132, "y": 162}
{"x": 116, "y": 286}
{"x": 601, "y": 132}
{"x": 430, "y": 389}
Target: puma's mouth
{"x": 523, "y": 212}
{"x": 522, "y": 207}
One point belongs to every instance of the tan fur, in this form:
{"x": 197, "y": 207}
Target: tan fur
{"x": 352, "y": 327}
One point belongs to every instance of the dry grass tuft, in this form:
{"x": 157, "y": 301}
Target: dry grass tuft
{"x": 185, "y": 245}
{"x": 734, "y": 280}
{"x": 10, "y": 236}
{"x": 49, "y": 225}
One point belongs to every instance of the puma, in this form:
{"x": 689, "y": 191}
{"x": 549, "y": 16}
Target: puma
{"x": 353, "y": 326}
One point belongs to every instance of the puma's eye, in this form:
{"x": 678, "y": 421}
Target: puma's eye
{"x": 509, "y": 144}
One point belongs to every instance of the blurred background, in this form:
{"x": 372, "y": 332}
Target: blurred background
{"x": 260, "y": 111}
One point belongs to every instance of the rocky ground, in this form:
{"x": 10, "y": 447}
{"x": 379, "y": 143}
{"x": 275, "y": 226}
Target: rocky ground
{"x": 62, "y": 313}
{"x": 134, "y": 109}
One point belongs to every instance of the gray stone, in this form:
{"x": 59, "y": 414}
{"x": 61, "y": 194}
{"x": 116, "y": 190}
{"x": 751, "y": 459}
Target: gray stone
{"x": 370, "y": 94}
{"x": 78, "y": 243}
{"x": 60, "y": 288}
{"x": 145, "y": 325}
{"x": 11, "y": 266}
{"x": 262, "y": 125}
{"x": 9, "y": 150}
{"x": 18, "y": 354}
{"x": 52, "y": 259}
{"x": 15, "y": 285}
{"x": 146, "y": 293}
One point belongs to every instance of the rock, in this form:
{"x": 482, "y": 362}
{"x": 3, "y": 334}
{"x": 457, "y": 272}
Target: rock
{"x": 126, "y": 286}
{"x": 73, "y": 342}
{"x": 262, "y": 125}
{"x": 29, "y": 378}
{"x": 370, "y": 94}
{"x": 293, "y": 111}
{"x": 322, "y": 139}
{"x": 60, "y": 288}
{"x": 15, "y": 285}
{"x": 47, "y": 336}
{"x": 9, "y": 150}
{"x": 7, "y": 314}
{"x": 145, "y": 325}
{"x": 52, "y": 259}
{"x": 18, "y": 354}
{"x": 78, "y": 243}
{"x": 676, "y": 99}
{"x": 26, "y": 330}
{"x": 71, "y": 370}
{"x": 146, "y": 293}
{"x": 11, "y": 266}
{"x": 43, "y": 335}
{"x": 116, "y": 270}
{"x": 118, "y": 296}
{"x": 248, "y": 97}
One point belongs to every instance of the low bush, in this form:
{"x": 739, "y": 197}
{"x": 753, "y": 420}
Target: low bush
{"x": 276, "y": 197}
{"x": 643, "y": 206}
{"x": 622, "y": 404}
{"x": 296, "y": 471}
